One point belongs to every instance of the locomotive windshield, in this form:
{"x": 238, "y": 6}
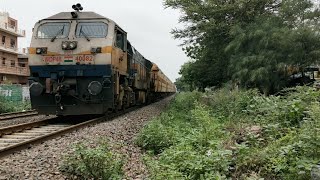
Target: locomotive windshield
{"x": 92, "y": 30}
{"x": 51, "y": 30}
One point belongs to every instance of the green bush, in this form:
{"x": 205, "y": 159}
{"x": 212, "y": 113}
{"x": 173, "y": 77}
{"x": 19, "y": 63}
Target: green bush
{"x": 93, "y": 163}
{"x": 165, "y": 131}
{"x": 156, "y": 137}
{"x": 185, "y": 101}
{"x": 7, "y": 106}
{"x": 228, "y": 103}
{"x": 235, "y": 134}
{"x": 186, "y": 142}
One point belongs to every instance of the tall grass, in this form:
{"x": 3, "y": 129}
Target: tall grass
{"x": 98, "y": 162}
{"x": 7, "y": 106}
{"x": 235, "y": 134}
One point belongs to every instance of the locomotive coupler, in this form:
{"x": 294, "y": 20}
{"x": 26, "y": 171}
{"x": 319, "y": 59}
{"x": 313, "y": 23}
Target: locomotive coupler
{"x": 57, "y": 98}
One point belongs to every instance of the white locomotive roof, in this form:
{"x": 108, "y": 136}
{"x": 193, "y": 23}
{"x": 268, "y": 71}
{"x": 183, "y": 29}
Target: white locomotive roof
{"x": 82, "y": 15}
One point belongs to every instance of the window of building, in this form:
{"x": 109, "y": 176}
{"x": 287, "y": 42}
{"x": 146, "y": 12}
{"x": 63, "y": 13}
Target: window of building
{"x": 13, "y": 43}
{"x": 12, "y": 24}
{"x": 13, "y": 63}
{"x": 3, "y": 39}
{"x": 22, "y": 65}
{"x": 3, "y": 61}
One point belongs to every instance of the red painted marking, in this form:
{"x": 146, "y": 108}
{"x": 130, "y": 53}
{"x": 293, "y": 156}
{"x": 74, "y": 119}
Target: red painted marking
{"x": 52, "y": 59}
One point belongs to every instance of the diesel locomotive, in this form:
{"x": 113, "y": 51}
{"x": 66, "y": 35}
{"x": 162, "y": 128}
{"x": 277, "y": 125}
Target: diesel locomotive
{"x": 82, "y": 63}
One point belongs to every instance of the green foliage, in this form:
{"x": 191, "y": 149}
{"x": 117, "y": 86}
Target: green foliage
{"x": 7, "y": 106}
{"x": 229, "y": 103}
{"x": 161, "y": 133}
{"x": 185, "y": 83}
{"x": 182, "y": 85}
{"x": 250, "y": 43}
{"x": 261, "y": 55}
{"x": 235, "y": 134}
{"x": 156, "y": 136}
{"x": 93, "y": 163}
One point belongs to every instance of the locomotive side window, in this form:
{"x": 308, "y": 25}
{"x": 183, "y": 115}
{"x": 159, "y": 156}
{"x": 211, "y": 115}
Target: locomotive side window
{"x": 50, "y": 30}
{"x": 92, "y": 30}
{"x": 120, "y": 40}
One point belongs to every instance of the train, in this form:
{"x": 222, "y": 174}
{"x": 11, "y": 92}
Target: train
{"x": 82, "y": 63}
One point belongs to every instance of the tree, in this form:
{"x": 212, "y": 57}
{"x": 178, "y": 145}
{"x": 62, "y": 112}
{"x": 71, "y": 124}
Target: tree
{"x": 250, "y": 42}
{"x": 264, "y": 49}
{"x": 182, "y": 85}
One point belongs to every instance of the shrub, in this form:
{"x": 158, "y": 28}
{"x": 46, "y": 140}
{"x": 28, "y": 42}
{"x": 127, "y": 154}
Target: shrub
{"x": 7, "y": 106}
{"x": 185, "y": 101}
{"x": 235, "y": 134}
{"x": 228, "y": 103}
{"x": 156, "y": 137}
{"x": 93, "y": 163}
{"x": 165, "y": 130}
{"x": 187, "y": 162}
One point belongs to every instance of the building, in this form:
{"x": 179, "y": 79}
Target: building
{"x": 12, "y": 69}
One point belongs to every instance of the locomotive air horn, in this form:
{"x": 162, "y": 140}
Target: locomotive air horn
{"x": 77, "y": 7}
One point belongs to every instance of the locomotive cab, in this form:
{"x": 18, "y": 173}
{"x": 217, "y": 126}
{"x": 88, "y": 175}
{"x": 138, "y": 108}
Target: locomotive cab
{"x": 82, "y": 63}
{"x": 79, "y": 65}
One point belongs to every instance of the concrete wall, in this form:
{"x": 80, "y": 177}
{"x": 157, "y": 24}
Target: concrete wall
{"x": 8, "y": 38}
{"x": 14, "y": 92}
{"x": 25, "y": 93}
{"x": 4, "y": 17}
{"x": 13, "y": 73}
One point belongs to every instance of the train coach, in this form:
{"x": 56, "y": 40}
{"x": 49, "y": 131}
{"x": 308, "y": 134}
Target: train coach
{"x": 82, "y": 63}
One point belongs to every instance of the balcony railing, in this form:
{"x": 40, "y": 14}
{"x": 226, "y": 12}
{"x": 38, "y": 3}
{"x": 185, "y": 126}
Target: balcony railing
{"x": 13, "y": 29}
{"x": 20, "y": 71}
{"x": 9, "y": 48}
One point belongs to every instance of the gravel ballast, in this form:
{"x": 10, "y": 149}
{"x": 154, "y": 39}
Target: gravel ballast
{"x": 42, "y": 161}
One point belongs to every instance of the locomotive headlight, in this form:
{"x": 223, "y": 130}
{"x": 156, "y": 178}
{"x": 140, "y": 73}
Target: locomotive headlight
{"x": 72, "y": 45}
{"x": 95, "y": 88}
{"x": 36, "y": 89}
{"x": 39, "y": 50}
{"x": 42, "y": 50}
{"x": 64, "y": 45}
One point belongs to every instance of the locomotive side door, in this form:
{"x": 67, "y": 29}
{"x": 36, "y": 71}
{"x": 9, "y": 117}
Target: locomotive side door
{"x": 119, "y": 52}
{"x": 119, "y": 62}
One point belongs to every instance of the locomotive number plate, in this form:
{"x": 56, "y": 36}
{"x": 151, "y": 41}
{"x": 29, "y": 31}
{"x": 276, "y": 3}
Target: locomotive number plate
{"x": 83, "y": 58}
{"x": 68, "y": 58}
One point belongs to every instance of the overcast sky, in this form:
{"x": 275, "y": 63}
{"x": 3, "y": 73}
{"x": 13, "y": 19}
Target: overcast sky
{"x": 147, "y": 23}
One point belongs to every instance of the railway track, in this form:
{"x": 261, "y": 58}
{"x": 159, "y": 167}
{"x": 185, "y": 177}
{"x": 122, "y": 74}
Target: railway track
{"x": 21, "y": 136}
{"x": 8, "y": 116}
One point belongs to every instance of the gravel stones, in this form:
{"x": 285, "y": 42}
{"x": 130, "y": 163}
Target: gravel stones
{"x": 22, "y": 120}
{"x": 42, "y": 161}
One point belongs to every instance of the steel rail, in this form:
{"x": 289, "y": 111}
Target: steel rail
{"x": 8, "y": 116}
{"x": 22, "y": 136}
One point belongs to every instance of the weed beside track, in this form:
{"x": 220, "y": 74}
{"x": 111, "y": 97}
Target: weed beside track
{"x": 235, "y": 134}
